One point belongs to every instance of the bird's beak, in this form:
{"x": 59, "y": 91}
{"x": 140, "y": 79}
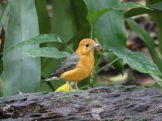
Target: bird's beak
{"x": 96, "y": 45}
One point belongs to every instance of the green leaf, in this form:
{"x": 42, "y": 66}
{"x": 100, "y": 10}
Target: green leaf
{"x": 147, "y": 40}
{"x": 63, "y": 21}
{"x": 93, "y": 16}
{"x": 158, "y": 79}
{"x": 150, "y": 9}
{"x": 140, "y": 11}
{"x": 83, "y": 27}
{"x": 126, "y": 5}
{"x": 156, "y": 5}
{"x": 42, "y": 38}
{"x": 138, "y": 61}
{"x": 49, "y": 52}
{"x": 136, "y": 11}
{"x": 157, "y": 18}
{"x": 44, "y": 20}
{"x": 20, "y": 72}
{"x": 74, "y": 25}
{"x": 109, "y": 29}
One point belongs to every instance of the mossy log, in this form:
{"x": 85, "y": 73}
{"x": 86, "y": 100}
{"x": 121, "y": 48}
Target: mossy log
{"x": 118, "y": 103}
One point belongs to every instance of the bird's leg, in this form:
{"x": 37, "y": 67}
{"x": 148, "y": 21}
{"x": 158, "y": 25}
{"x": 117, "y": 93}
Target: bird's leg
{"x": 73, "y": 86}
{"x": 70, "y": 85}
{"x": 76, "y": 85}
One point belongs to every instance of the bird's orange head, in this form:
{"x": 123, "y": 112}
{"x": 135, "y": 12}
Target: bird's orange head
{"x": 86, "y": 47}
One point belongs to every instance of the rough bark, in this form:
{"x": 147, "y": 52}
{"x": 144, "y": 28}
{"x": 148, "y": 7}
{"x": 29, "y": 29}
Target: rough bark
{"x": 119, "y": 103}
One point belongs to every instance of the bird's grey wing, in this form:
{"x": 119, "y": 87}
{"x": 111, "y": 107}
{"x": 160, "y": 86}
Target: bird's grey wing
{"x": 68, "y": 64}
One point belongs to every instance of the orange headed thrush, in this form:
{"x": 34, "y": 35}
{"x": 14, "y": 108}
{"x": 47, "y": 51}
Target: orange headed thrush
{"x": 78, "y": 65}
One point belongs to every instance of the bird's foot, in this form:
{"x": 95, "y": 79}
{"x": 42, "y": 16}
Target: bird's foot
{"x": 73, "y": 86}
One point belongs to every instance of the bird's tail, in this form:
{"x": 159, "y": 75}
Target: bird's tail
{"x": 48, "y": 79}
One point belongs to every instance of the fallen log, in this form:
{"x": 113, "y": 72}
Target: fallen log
{"x": 116, "y": 103}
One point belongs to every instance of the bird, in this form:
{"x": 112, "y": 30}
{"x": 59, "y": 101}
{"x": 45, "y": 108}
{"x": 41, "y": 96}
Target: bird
{"x": 76, "y": 66}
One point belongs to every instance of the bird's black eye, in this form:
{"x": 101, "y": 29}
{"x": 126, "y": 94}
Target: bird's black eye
{"x": 87, "y": 45}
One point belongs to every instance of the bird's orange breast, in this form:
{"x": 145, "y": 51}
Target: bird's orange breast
{"x": 82, "y": 70}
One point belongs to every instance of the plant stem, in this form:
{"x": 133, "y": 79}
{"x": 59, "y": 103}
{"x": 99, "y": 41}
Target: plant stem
{"x": 107, "y": 65}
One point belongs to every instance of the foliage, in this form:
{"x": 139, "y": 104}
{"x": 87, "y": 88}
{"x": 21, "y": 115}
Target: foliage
{"x": 147, "y": 40}
{"x": 60, "y": 34}
{"x": 20, "y": 72}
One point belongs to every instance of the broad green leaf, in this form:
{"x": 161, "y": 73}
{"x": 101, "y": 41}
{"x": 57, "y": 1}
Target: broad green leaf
{"x": 157, "y": 18}
{"x": 83, "y": 26}
{"x": 42, "y": 38}
{"x": 138, "y": 61}
{"x": 49, "y": 52}
{"x": 43, "y": 18}
{"x": 73, "y": 25}
{"x": 147, "y": 40}
{"x": 20, "y": 72}
{"x": 45, "y": 27}
{"x": 93, "y": 16}
{"x": 63, "y": 21}
{"x": 109, "y": 29}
